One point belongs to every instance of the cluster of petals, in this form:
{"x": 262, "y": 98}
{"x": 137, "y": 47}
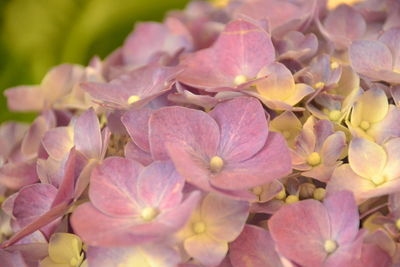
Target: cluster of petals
{"x": 235, "y": 133}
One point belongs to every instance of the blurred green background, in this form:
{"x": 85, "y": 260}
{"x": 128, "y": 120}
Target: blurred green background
{"x": 38, "y": 34}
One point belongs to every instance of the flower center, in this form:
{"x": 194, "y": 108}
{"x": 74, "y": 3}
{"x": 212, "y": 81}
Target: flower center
{"x": 199, "y": 227}
{"x": 216, "y": 164}
{"x": 365, "y": 125}
{"x": 334, "y": 115}
{"x": 398, "y": 224}
{"x": 73, "y": 262}
{"x": 281, "y": 195}
{"x": 132, "y": 99}
{"x": 330, "y": 246}
{"x": 291, "y": 199}
{"x": 314, "y": 159}
{"x": 319, "y": 193}
{"x": 257, "y": 190}
{"x": 378, "y": 180}
{"x": 334, "y": 65}
{"x": 149, "y": 213}
{"x": 240, "y": 79}
{"x": 319, "y": 85}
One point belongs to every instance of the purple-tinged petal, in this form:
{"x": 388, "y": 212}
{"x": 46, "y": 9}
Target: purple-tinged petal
{"x": 272, "y": 162}
{"x": 87, "y": 135}
{"x": 333, "y": 147}
{"x": 243, "y": 127}
{"x": 348, "y": 254}
{"x": 32, "y": 140}
{"x": 16, "y": 175}
{"x": 159, "y": 185}
{"x": 254, "y": 247}
{"x": 133, "y": 152}
{"x": 301, "y": 229}
{"x": 136, "y": 123}
{"x": 115, "y": 179}
{"x": 391, "y": 39}
{"x": 25, "y": 98}
{"x": 344, "y": 218}
{"x": 189, "y": 128}
{"x": 12, "y": 259}
{"x": 241, "y": 50}
{"x": 104, "y": 230}
{"x": 159, "y": 255}
{"x": 207, "y": 250}
{"x": 224, "y": 217}
{"x": 370, "y": 57}
{"x": 58, "y": 141}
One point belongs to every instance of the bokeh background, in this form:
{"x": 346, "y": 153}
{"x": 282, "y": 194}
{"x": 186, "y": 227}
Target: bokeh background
{"x": 38, "y": 34}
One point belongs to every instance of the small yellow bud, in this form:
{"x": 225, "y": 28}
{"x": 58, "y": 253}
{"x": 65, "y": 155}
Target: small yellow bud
{"x": 257, "y": 190}
{"x": 398, "y": 224}
{"x": 334, "y": 115}
{"x": 149, "y": 213}
{"x": 199, "y": 227}
{"x": 291, "y": 199}
{"x": 240, "y": 79}
{"x": 73, "y": 262}
{"x": 319, "y": 85}
{"x": 220, "y": 3}
{"x": 216, "y": 164}
{"x": 281, "y": 195}
{"x": 365, "y": 125}
{"x": 378, "y": 180}
{"x": 314, "y": 159}
{"x": 319, "y": 193}
{"x": 132, "y": 99}
{"x": 334, "y": 65}
{"x": 330, "y": 246}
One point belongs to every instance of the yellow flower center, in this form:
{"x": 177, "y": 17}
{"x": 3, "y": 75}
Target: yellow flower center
{"x": 199, "y": 227}
{"x": 132, "y": 99}
{"x": 319, "y": 193}
{"x": 216, "y": 164}
{"x": 149, "y": 213}
{"x": 240, "y": 79}
{"x": 365, "y": 125}
{"x": 334, "y": 65}
{"x": 398, "y": 224}
{"x": 378, "y": 180}
{"x": 397, "y": 70}
{"x": 257, "y": 190}
{"x": 314, "y": 159}
{"x": 281, "y": 195}
{"x": 220, "y": 3}
{"x": 330, "y": 246}
{"x": 73, "y": 262}
{"x": 319, "y": 85}
{"x": 291, "y": 199}
{"x": 334, "y": 115}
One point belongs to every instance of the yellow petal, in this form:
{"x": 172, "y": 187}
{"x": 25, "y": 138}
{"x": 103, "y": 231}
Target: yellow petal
{"x": 66, "y": 248}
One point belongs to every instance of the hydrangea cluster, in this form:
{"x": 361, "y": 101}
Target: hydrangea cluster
{"x": 235, "y": 133}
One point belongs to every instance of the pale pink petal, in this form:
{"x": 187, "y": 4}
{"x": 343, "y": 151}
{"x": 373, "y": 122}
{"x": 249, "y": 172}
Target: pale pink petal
{"x": 19, "y": 174}
{"x": 361, "y": 161}
{"x": 158, "y": 254}
{"x": 133, "y": 152}
{"x": 87, "y": 135}
{"x": 25, "y": 98}
{"x": 254, "y": 247}
{"x": 391, "y": 39}
{"x": 392, "y": 168}
{"x": 205, "y": 249}
{"x": 223, "y": 216}
{"x": 58, "y": 142}
{"x": 136, "y": 123}
{"x": 370, "y": 57}
{"x": 332, "y": 148}
{"x": 189, "y": 128}
{"x": 159, "y": 185}
{"x": 343, "y": 213}
{"x": 243, "y": 128}
{"x": 301, "y": 229}
{"x": 115, "y": 179}
{"x": 272, "y": 162}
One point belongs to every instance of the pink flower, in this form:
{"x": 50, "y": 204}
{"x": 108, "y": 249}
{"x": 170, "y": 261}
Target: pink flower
{"x": 327, "y": 233}
{"x": 131, "y": 205}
